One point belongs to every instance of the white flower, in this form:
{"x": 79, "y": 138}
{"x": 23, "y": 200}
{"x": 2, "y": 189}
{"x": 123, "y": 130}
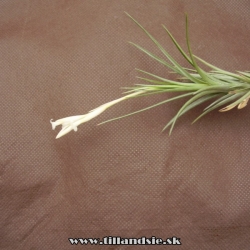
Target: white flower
{"x": 71, "y": 122}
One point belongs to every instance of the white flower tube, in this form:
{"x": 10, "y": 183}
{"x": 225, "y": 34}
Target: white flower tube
{"x": 71, "y": 122}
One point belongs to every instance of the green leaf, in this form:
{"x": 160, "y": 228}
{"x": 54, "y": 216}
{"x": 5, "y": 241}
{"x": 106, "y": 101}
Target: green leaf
{"x": 194, "y": 98}
{"x": 225, "y": 96}
{"x": 221, "y": 102}
{"x": 206, "y": 77}
{"x": 181, "y": 69}
{"x": 221, "y": 71}
{"x": 155, "y": 105}
{"x": 178, "y": 46}
{"x": 238, "y": 101}
{"x": 191, "y": 106}
{"x": 219, "y": 88}
{"x": 197, "y": 86}
{"x": 155, "y": 57}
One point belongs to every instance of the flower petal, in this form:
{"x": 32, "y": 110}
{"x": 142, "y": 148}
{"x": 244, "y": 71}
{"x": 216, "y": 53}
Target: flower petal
{"x": 53, "y": 124}
{"x": 64, "y": 131}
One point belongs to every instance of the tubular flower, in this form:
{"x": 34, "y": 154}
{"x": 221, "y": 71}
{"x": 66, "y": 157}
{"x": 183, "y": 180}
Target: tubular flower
{"x": 71, "y": 122}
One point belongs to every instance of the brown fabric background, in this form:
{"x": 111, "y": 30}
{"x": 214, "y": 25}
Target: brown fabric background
{"x": 125, "y": 178}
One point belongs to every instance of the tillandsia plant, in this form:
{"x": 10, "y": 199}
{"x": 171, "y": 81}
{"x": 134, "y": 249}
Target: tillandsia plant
{"x": 226, "y": 89}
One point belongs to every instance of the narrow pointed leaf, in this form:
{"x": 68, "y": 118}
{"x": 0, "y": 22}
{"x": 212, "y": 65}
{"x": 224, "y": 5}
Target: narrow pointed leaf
{"x": 155, "y": 105}
{"x": 219, "y": 104}
{"x": 191, "y": 106}
{"x": 184, "y": 72}
{"x": 178, "y": 46}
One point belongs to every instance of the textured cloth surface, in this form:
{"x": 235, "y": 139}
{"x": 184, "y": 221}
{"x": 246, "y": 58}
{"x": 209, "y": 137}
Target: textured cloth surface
{"x": 124, "y": 178}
